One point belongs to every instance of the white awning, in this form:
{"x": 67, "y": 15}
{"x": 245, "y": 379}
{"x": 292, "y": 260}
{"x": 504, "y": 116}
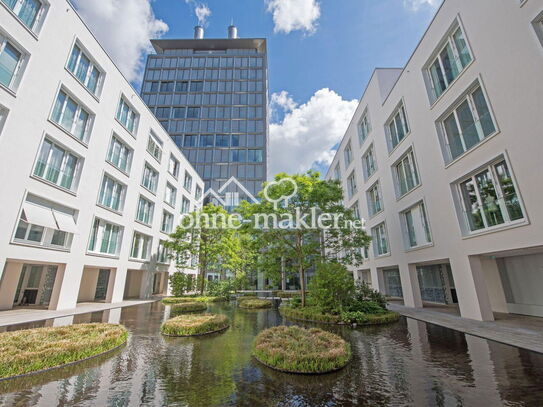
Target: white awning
{"x": 38, "y": 215}
{"x": 65, "y": 222}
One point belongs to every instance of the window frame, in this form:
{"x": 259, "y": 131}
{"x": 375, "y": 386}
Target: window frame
{"x": 155, "y": 146}
{"x": 370, "y": 151}
{"x": 122, "y": 197}
{"x": 124, "y": 145}
{"x": 376, "y": 186}
{"x": 146, "y": 165}
{"x": 170, "y": 187}
{"x": 17, "y": 73}
{"x": 424, "y": 223}
{"x": 187, "y": 185}
{"x": 80, "y": 107}
{"x": 131, "y": 108}
{"x": 376, "y": 247}
{"x": 149, "y": 213}
{"x": 409, "y": 154}
{"x": 92, "y": 64}
{"x": 401, "y": 111}
{"x": 364, "y": 127}
{"x": 177, "y": 167}
{"x": 144, "y": 238}
{"x": 352, "y": 185}
{"x": 98, "y": 241}
{"x": 168, "y": 213}
{"x": 348, "y": 155}
{"x": 38, "y": 20}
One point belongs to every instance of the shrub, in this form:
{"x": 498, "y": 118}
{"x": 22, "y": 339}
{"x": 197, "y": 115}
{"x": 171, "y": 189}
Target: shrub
{"x": 298, "y": 350}
{"x": 221, "y": 288}
{"x": 332, "y": 287}
{"x": 361, "y": 318}
{"x": 192, "y": 325}
{"x": 179, "y": 300}
{"x": 255, "y": 304}
{"x": 310, "y": 314}
{"x": 295, "y": 302}
{"x": 185, "y": 307}
{"x": 287, "y": 294}
{"x": 367, "y": 307}
{"x": 32, "y": 350}
{"x": 363, "y": 292}
{"x": 181, "y": 283}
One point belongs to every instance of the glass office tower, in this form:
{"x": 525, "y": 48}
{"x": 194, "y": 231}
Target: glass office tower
{"x": 211, "y": 95}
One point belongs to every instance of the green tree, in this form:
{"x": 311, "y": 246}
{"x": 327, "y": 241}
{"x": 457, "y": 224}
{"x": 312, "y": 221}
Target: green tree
{"x": 332, "y": 288}
{"x": 311, "y": 227}
{"x": 180, "y": 283}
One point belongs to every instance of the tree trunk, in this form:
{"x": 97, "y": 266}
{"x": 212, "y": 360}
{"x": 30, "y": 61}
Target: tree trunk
{"x": 283, "y": 275}
{"x": 302, "y": 284}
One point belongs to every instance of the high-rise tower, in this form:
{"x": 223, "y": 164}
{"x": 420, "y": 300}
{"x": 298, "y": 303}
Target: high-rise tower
{"x": 211, "y": 96}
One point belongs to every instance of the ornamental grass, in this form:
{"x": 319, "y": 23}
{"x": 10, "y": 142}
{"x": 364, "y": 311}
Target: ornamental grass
{"x": 310, "y": 314}
{"x": 32, "y": 350}
{"x": 298, "y": 350}
{"x": 179, "y": 300}
{"x": 193, "y": 325}
{"x": 255, "y": 304}
{"x": 185, "y": 307}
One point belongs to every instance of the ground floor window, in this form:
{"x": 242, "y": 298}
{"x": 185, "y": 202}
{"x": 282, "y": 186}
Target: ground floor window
{"x": 35, "y": 285}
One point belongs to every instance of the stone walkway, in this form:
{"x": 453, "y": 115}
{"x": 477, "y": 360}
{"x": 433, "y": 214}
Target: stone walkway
{"x": 26, "y": 315}
{"x": 516, "y": 330}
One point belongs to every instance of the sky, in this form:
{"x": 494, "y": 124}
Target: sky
{"x": 321, "y": 54}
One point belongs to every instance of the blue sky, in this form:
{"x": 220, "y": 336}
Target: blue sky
{"x": 321, "y": 55}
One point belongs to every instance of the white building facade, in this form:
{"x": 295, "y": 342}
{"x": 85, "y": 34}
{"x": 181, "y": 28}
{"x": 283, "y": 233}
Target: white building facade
{"x": 92, "y": 183}
{"x": 442, "y": 161}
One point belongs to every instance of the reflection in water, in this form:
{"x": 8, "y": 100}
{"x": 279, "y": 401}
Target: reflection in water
{"x": 407, "y": 363}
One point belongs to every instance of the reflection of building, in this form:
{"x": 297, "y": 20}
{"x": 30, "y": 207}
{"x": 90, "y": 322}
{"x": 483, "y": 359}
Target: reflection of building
{"x": 93, "y": 183}
{"x": 439, "y": 159}
{"x": 211, "y": 96}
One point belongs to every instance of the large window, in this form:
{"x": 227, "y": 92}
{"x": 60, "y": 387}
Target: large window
{"x": 145, "y": 212}
{"x": 58, "y": 166}
{"x": 28, "y": 11}
{"x": 369, "y": 164}
{"x": 170, "y": 196}
{"x": 173, "y": 166}
{"x": 72, "y": 117}
{"x": 187, "y": 184}
{"x": 84, "y": 70}
{"x": 112, "y": 193}
{"x": 450, "y": 61}
{"x": 351, "y": 185}
{"x": 406, "y": 174}
{"x": 380, "y": 240}
{"x": 415, "y": 226}
{"x": 198, "y": 192}
{"x": 45, "y": 225}
{"x": 127, "y": 116}
{"x": 141, "y": 246}
{"x": 185, "y": 205}
{"x": 119, "y": 155}
{"x": 467, "y": 125}
{"x": 10, "y": 62}
{"x": 397, "y": 128}
{"x": 163, "y": 255}
{"x": 364, "y": 128}
{"x": 490, "y": 198}
{"x": 375, "y": 202}
{"x": 105, "y": 238}
{"x": 154, "y": 147}
{"x": 337, "y": 172}
{"x": 166, "y": 225}
{"x": 348, "y": 154}
{"x": 150, "y": 178}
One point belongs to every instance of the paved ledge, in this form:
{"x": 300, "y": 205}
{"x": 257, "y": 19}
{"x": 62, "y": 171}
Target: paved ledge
{"x": 26, "y": 315}
{"x": 515, "y": 330}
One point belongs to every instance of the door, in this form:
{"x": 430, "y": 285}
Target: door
{"x": 102, "y": 285}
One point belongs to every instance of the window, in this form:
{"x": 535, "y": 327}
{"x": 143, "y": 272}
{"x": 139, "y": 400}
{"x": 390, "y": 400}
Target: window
{"x": 198, "y": 193}
{"x": 193, "y": 112}
{"x": 28, "y": 11}
{"x": 119, "y": 155}
{"x": 185, "y": 206}
{"x": 415, "y": 226}
{"x": 171, "y": 194}
{"x": 163, "y": 255}
{"x": 450, "y": 61}
{"x": 196, "y": 86}
{"x": 112, "y": 193}
{"x": 57, "y": 165}
{"x": 84, "y": 70}
{"x": 397, "y": 128}
{"x": 337, "y": 172}
{"x": 348, "y": 154}
{"x": 145, "y": 211}
{"x": 369, "y": 164}
{"x": 356, "y": 211}
{"x": 141, "y": 246}
{"x": 364, "y": 128}
{"x": 375, "y": 202}
{"x": 406, "y": 174}
{"x": 351, "y": 185}
{"x": 188, "y": 182}
{"x": 380, "y": 240}
{"x": 467, "y": 125}
{"x": 127, "y": 116}
{"x": 167, "y": 86}
{"x": 173, "y": 166}
{"x": 154, "y": 147}
{"x": 166, "y": 225}
{"x": 105, "y": 238}
{"x": 10, "y": 63}
{"x": 45, "y": 225}
{"x": 150, "y": 178}
{"x": 72, "y": 117}
{"x": 489, "y": 198}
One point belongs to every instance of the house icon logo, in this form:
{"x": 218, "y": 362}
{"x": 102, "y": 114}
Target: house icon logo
{"x": 230, "y": 199}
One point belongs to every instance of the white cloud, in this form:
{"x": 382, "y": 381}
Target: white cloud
{"x": 416, "y": 4}
{"x": 124, "y": 28}
{"x": 306, "y": 135}
{"x": 201, "y": 10}
{"x": 291, "y": 15}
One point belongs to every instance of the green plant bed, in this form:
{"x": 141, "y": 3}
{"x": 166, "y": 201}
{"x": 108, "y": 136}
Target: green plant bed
{"x": 246, "y": 298}
{"x": 298, "y": 350}
{"x": 34, "y": 350}
{"x": 195, "y": 325}
{"x": 362, "y": 319}
{"x": 188, "y": 307}
{"x": 309, "y": 314}
{"x": 179, "y": 300}
{"x": 255, "y": 304}
{"x": 288, "y": 294}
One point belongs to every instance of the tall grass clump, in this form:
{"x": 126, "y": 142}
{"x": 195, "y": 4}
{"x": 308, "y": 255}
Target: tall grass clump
{"x": 194, "y": 324}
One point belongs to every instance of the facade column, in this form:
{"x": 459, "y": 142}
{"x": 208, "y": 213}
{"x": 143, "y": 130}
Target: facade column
{"x": 410, "y": 286}
{"x": 66, "y": 287}
{"x": 119, "y": 282}
{"x": 483, "y": 370}
{"x": 471, "y": 288}
{"x": 377, "y": 280}
{"x": 8, "y": 284}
